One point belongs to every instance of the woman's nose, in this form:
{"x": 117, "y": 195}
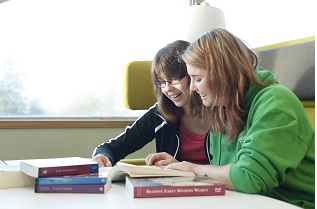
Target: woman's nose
{"x": 192, "y": 86}
{"x": 168, "y": 86}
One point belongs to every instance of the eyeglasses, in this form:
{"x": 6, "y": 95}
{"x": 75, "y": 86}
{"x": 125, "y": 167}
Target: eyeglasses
{"x": 172, "y": 81}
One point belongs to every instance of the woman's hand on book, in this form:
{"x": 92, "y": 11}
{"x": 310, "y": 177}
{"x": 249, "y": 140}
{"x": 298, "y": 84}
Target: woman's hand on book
{"x": 183, "y": 166}
{"x": 160, "y": 159}
{"x": 219, "y": 172}
{"x": 102, "y": 160}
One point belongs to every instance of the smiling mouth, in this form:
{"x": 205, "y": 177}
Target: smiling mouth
{"x": 174, "y": 96}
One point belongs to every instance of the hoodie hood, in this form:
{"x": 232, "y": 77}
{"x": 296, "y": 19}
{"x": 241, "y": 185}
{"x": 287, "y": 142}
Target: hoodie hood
{"x": 264, "y": 76}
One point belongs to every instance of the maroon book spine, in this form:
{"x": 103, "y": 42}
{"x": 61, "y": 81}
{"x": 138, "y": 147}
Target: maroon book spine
{"x": 68, "y": 170}
{"x": 71, "y": 188}
{"x": 179, "y": 191}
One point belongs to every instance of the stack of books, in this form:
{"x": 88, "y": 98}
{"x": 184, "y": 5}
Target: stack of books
{"x": 66, "y": 175}
{"x": 81, "y": 175}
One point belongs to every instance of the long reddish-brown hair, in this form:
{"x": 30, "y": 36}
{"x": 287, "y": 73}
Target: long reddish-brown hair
{"x": 230, "y": 65}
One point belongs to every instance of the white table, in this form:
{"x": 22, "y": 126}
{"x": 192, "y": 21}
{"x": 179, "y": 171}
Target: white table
{"x": 119, "y": 197}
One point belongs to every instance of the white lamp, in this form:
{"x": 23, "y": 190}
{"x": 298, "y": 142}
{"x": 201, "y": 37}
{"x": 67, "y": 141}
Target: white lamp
{"x": 200, "y": 18}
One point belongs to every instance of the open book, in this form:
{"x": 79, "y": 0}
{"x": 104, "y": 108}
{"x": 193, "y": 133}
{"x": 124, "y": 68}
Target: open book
{"x": 11, "y": 176}
{"x": 121, "y": 170}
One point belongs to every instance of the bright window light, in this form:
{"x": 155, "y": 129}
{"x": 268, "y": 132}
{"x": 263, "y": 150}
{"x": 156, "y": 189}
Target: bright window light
{"x": 66, "y": 57}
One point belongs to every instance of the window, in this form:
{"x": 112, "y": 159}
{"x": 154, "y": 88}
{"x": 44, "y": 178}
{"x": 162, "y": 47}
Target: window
{"x": 65, "y": 58}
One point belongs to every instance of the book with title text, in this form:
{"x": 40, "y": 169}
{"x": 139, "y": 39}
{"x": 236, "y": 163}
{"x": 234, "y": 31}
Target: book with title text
{"x": 52, "y": 167}
{"x": 88, "y": 178}
{"x": 174, "y": 186}
{"x": 83, "y": 183}
{"x": 72, "y": 188}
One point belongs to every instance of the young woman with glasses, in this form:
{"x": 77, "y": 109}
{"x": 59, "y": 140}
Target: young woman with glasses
{"x": 169, "y": 122}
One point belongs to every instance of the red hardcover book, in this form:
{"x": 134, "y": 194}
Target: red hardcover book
{"x": 174, "y": 186}
{"x": 58, "y": 166}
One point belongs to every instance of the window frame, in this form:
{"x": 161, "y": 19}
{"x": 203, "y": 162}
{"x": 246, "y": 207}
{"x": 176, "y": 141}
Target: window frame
{"x": 48, "y": 123}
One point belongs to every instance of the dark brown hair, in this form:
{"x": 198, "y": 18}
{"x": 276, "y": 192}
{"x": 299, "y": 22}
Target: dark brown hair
{"x": 168, "y": 62}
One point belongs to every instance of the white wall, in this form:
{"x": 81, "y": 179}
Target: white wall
{"x": 261, "y": 23}
{"x": 18, "y": 144}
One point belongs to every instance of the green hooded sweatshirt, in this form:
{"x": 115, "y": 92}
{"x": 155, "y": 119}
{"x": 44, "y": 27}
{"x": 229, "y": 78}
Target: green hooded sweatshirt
{"x": 274, "y": 155}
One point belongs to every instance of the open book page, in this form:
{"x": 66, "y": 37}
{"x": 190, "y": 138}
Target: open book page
{"x": 11, "y": 176}
{"x": 121, "y": 170}
{"x": 2, "y": 163}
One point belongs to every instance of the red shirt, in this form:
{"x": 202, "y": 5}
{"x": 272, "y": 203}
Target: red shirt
{"x": 192, "y": 147}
